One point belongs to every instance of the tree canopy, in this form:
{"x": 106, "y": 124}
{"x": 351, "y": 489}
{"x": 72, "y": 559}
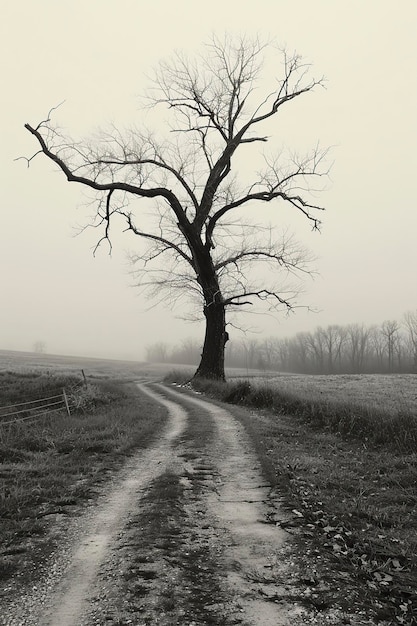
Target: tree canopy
{"x": 203, "y": 237}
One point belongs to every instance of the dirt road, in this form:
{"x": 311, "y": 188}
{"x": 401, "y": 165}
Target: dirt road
{"x": 179, "y": 537}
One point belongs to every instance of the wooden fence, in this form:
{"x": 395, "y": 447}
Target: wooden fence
{"x": 34, "y": 409}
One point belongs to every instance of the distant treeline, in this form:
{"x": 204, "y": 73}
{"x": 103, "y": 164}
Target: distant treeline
{"x": 352, "y": 349}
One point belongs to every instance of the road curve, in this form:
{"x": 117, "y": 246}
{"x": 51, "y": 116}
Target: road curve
{"x": 225, "y": 504}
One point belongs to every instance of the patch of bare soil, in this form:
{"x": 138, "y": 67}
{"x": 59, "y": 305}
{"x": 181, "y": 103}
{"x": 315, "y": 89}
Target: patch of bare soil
{"x": 186, "y": 535}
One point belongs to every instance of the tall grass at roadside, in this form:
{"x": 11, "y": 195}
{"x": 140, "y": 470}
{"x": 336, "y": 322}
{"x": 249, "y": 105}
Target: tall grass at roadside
{"x": 25, "y": 387}
{"x": 396, "y": 428}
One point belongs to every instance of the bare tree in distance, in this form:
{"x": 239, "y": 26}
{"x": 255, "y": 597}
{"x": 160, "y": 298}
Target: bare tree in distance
{"x": 352, "y": 349}
{"x": 39, "y": 347}
{"x": 390, "y": 331}
{"x": 157, "y": 352}
{"x": 205, "y": 237}
{"x": 357, "y": 339}
{"x": 410, "y": 320}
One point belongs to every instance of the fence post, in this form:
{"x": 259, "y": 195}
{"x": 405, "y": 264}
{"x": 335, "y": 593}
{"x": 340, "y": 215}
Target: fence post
{"x": 66, "y": 402}
{"x": 85, "y": 379}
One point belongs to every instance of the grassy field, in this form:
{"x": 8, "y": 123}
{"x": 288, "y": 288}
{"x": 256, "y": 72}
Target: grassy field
{"x": 392, "y": 392}
{"x": 339, "y": 451}
{"x": 375, "y": 409}
{"x": 51, "y": 465}
{"x": 27, "y": 362}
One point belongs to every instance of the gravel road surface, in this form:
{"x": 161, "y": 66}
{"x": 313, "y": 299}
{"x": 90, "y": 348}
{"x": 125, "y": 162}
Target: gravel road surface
{"x": 212, "y": 559}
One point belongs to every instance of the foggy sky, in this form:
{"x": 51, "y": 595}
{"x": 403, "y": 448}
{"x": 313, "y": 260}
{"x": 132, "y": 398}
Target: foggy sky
{"x": 95, "y": 56}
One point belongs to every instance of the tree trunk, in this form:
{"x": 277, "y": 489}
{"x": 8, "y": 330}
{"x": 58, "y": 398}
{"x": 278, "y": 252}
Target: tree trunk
{"x": 212, "y": 358}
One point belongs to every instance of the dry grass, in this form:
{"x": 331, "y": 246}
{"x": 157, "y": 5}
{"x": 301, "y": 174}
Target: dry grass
{"x": 392, "y": 392}
{"x": 29, "y": 363}
{"x": 355, "y": 522}
{"x": 372, "y": 425}
{"x": 52, "y": 464}
{"x": 346, "y": 466}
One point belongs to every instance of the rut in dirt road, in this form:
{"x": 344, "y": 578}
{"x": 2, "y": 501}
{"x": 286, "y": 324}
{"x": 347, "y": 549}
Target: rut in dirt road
{"x": 181, "y": 538}
{"x": 108, "y": 519}
{"x": 252, "y": 556}
{"x": 199, "y": 550}
{"x": 63, "y": 599}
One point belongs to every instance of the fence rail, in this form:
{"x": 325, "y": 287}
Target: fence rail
{"x": 26, "y": 405}
{"x": 34, "y": 409}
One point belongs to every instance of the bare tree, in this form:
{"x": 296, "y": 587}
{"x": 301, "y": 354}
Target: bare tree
{"x": 358, "y": 339}
{"x": 301, "y": 352}
{"x": 201, "y": 241}
{"x": 157, "y": 352}
{"x": 378, "y": 347}
{"x": 410, "y": 320}
{"x": 317, "y": 349}
{"x": 331, "y": 339}
{"x": 39, "y": 347}
{"x": 273, "y": 351}
{"x": 390, "y": 331}
{"x": 188, "y": 352}
{"x": 285, "y": 354}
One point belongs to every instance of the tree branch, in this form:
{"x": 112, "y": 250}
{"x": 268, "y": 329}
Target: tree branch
{"x": 158, "y": 163}
{"x": 112, "y": 186}
{"x": 106, "y": 235}
{"x": 261, "y": 294}
{"x": 264, "y": 196}
{"x": 260, "y": 254}
{"x": 169, "y": 244}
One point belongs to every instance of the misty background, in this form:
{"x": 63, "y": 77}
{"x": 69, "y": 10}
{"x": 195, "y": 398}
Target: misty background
{"x": 95, "y": 55}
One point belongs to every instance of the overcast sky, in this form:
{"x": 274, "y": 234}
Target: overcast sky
{"x": 95, "y": 54}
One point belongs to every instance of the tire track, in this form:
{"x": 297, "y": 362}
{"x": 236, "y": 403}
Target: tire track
{"x": 71, "y": 587}
{"x": 226, "y": 565}
{"x": 254, "y": 551}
